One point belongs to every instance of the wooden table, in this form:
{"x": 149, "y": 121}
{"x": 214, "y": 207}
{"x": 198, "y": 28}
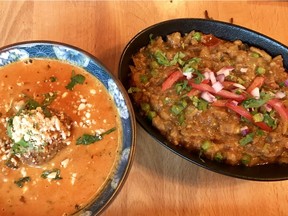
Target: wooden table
{"x": 159, "y": 183}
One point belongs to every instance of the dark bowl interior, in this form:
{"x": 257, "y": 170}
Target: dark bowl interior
{"x": 225, "y": 31}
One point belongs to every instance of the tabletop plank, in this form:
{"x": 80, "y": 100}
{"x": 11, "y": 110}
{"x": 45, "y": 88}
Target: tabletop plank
{"x": 160, "y": 182}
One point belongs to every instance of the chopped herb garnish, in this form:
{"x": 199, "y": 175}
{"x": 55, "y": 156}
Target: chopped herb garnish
{"x": 269, "y": 120}
{"x": 199, "y": 103}
{"x": 161, "y": 58}
{"x": 218, "y": 157}
{"x": 133, "y": 90}
{"x": 191, "y": 65}
{"x": 177, "y": 108}
{"x": 74, "y": 80}
{"x": 21, "y": 181}
{"x": 256, "y": 103}
{"x": 247, "y": 139}
{"x": 246, "y": 159}
{"x": 200, "y": 77}
{"x": 178, "y": 59}
{"x": 197, "y": 36}
{"x": 88, "y": 139}
{"x": 51, "y": 174}
{"x": 181, "y": 86}
{"x": 206, "y": 145}
{"x": 49, "y": 98}
{"x": 53, "y": 79}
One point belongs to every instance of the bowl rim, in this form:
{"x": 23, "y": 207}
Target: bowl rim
{"x": 162, "y": 140}
{"x": 132, "y": 122}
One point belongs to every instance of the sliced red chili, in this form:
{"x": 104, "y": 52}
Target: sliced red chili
{"x": 202, "y": 87}
{"x": 172, "y": 78}
{"x": 240, "y": 110}
{"x": 210, "y": 40}
{"x": 257, "y": 82}
{"x": 193, "y": 92}
{"x": 279, "y": 107}
{"x": 243, "y": 112}
{"x": 230, "y": 95}
{"x": 219, "y": 103}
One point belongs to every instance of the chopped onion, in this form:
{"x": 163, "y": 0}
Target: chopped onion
{"x": 267, "y": 107}
{"x": 212, "y": 77}
{"x": 255, "y": 93}
{"x": 239, "y": 85}
{"x": 208, "y": 97}
{"x": 217, "y": 86}
{"x": 188, "y": 75}
{"x": 244, "y": 130}
{"x": 243, "y": 70}
{"x": 280, "y": 95}
{"x": 206, "y": 75}
{"x": 234, "y": 102}
{"x": 225, "y": 70}
{"x": 220, "y": 77}
{"x": 286, "y": 82}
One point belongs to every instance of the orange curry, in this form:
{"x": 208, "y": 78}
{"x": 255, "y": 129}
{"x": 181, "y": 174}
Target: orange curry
{"x": 62, "y": 169}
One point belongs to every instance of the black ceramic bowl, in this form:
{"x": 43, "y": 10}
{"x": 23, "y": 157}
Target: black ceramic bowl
{"x": 225, "y": 31}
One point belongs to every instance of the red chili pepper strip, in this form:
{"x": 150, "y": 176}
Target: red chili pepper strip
{"x": 173, "y": 77}
{"x": 219, "y": 103}
{"x": 222, "y": 93}
{"x": 263, "y": 126}
{"x": 257, "y": 82}
{"x": 279, "y": 107}
{"x": 193, "y": 92}
{"x": 202, "y": 87}
{"x": 240, "y": 110}
{"x": 243, "y": 112}
{"x": 210, "y": 40}
{"x": 228, "y": 85}
{"x": 230, "y": 95}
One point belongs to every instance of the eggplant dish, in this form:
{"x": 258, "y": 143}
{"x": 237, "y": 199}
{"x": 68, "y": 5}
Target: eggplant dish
{"x": 226, "y": 101}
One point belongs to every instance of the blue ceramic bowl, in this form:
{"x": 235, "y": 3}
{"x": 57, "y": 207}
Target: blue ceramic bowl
{"x": 222, "y": 30}
{"x": 78, "y": 57}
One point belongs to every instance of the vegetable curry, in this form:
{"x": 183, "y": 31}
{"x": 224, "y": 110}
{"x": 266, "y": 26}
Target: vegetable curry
{"x": 58, "y": 142}
{"x": 225, "y": 100}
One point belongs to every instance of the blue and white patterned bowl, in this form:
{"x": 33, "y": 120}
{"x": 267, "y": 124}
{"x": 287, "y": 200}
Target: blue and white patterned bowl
{"x": 78, "y": 57}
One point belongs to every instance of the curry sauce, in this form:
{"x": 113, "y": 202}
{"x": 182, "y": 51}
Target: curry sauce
{"x": 77, "y": 172}
{"x": 223, "y": 100}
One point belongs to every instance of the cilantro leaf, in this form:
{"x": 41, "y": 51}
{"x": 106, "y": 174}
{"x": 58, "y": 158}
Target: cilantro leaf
{"x": 21, "y": 181}
{"x": 161, "y": 58}
{"x": 55, "y": 174}
{"x": 247, "y": 139}
{"x": 87, "y": 139}
{"x": 74, "y": 80}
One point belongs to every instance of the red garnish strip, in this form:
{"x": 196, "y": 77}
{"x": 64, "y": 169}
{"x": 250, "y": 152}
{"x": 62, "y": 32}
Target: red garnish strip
{"x": 243, "y": 112}
{"x": 229, "y": 99}
{"x": 172, "y": 78}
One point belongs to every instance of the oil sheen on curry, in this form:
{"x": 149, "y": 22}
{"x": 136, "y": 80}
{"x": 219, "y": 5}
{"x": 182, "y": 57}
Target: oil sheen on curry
{"x": 59, "y": 138}
{"x": 225, "y": 100}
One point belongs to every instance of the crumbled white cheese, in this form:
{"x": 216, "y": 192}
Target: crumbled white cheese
{"x": 64, "y": 163}
{"x": 23, "y": 172}
{"x": 73, "y": 178}
{"x": 93, "y": 91}
{"x": 35, "y": 127}
{"x": 64, "y": 94}
{"x": 81, "y": 106}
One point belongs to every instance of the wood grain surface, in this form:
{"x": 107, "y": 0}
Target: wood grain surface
{"x": 159, "y": 183}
